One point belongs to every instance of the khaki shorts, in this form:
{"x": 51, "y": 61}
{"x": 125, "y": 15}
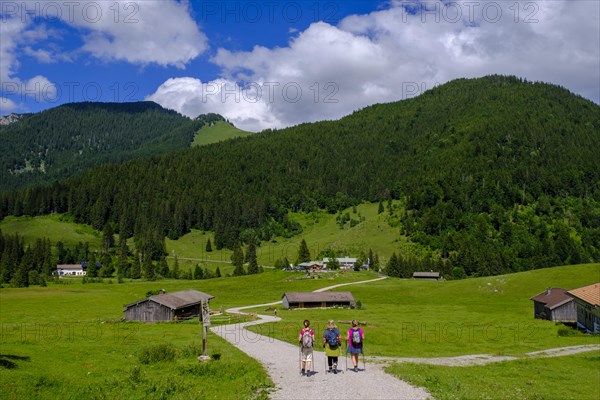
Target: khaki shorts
{"x": 307, "y": 354}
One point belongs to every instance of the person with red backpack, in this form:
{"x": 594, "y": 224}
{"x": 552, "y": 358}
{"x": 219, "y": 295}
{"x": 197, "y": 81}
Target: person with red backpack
{"x": 306, "y": 339}
{"x": 355, "y": 338}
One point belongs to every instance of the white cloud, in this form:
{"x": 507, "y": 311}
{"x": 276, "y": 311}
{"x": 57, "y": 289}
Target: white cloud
{"x": 6, "y": 106}
{"x": 392, "y": 54}
{"x": 13, "y": 32}
{"x": 139, "y": 32}
{"x": 247, "y": 108}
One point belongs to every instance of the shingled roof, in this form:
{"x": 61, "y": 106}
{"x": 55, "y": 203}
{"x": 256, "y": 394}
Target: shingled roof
{"x": 590, "y": 294}
{"x": 553, "y": 297}
{"x": 308, "y": 297}
{"x": 177, "y": 300}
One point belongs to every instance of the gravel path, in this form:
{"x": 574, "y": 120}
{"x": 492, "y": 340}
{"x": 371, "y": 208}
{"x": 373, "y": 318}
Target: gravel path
{"x": 281, "y": 360}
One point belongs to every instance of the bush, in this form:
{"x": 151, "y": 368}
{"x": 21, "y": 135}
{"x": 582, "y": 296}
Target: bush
{"x": 156, "y": 353}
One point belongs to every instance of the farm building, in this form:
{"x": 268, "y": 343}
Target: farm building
{"x": 587, "y": 301}
{"x": 70, "y": 270}
{"x": 167, "y": 306}
{"x": 311, "y": 265}
{"x": 318, "y": 299}
{"x": 345, "y": 262}
{"x": 435, "y": 276}
{"x": 554, "y": 304}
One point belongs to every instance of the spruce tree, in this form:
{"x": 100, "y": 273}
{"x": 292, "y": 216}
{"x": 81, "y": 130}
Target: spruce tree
{"x": 303, "y": 252}
{"x": 237, "y": 259}
{"x": 136, "y": 269}
{"x": 208, "y": 246}
{"x": 251, "y": 258}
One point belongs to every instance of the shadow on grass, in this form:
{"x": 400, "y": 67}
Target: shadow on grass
{"x": 7, "y": 360}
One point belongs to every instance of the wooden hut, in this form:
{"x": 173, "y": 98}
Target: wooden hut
{"x": 432, "y": 276}
{"x": 167, "y": 306}
{"x": 318, "y": 299}
{"x": 554, "y": 304}
{"x": 587, "y": 301}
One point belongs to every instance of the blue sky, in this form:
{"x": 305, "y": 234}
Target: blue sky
{"x": 270, "y": 64}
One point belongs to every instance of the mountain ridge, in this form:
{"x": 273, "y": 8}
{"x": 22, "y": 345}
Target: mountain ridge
{"x": 491, "y": 172}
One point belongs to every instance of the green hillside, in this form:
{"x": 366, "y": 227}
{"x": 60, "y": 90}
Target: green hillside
{"x": 493, "y": 175}
{"x": 71, "y": 138}
{"x": 218, "y": 131}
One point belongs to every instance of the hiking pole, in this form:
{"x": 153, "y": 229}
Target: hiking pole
{"x": 363, "y": 357}
{"x": 300, "y": 360}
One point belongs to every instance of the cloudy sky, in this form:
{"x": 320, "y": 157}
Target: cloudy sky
{"x": 270, "y": 64}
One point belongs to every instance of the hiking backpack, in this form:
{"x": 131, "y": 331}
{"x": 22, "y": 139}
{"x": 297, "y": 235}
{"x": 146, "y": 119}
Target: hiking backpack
{"x": 356, "y": 338}
{"x": 307, "y": 341}
{"x": 332, "y": 338}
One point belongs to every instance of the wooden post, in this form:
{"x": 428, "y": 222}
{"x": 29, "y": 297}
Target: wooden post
{"x": 204, "y": 318}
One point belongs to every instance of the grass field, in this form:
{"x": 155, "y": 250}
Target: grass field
{"x": 56, "y": 227}
{"x": 217, "y": 132}
{"x": 66, "y": 339}
{"x": 574, "y": 377}
{"x": 489, "y": 315}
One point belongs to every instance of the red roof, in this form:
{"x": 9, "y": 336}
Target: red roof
{"x": 590, "y": 294}
{"x": 553, "y": 297}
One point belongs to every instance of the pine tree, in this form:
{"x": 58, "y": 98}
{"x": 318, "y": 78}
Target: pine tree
{"x": 198, "y": 273}
{"x": 148, "y": 269}
{"x": 108, "y": 237}
{"x": 175, "y": 271}
{"x": 251, "y": 258}
{"x": 381, "y": 208}
{"x": 303, "y": 252}
{"x": 136, "y": 269}
{"x": 218, "y": 272}
{"x": 123, "y": 264}
{"x": 393, "y": 267}
{"x": 208, "y": 246}
{"x": 237, "y": 259}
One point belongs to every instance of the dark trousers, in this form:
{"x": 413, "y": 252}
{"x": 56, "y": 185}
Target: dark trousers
{"x": 331, "y": 361}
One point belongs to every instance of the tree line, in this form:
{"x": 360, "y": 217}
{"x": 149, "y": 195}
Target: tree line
{"x": 496, "y": 174}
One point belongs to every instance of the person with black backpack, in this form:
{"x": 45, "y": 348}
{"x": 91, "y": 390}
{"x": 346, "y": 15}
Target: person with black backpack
{"x": 332, "y": 342}
{"x": 306, "y": 339}
{"x": 355, "y": 338}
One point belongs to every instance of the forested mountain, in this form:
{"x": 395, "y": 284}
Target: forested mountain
{"x": 71, "y": 138}
{"x": 496, "y": 174}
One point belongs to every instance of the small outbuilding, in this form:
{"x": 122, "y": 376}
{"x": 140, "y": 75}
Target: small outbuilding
{"x": 318, "y": 299}
{"x": 587, "y": 301}
{"x": 554, "y": 304}
{"x": 71, "y": 269}
{"x": 167, "y": 306}
{"x": 432, "y": 276}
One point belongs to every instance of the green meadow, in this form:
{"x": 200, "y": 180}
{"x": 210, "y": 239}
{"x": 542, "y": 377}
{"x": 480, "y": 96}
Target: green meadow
{"x": 319, "y": 229}
{"x": 217, "y": 132}
{"x": 67, "y": 341}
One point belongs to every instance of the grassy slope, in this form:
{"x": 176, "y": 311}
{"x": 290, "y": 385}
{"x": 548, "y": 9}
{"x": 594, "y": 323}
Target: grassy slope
{"x": 319, "y": 230}
{"x": 217, "y": 132}
{"x": 56, "y": 227}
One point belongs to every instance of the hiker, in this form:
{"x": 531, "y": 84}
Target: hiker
{"x": 332, "y": 342}
{"x": 306, "y": 339}
{"x": 275, "y": 312}
{"x": 355, "y": 338}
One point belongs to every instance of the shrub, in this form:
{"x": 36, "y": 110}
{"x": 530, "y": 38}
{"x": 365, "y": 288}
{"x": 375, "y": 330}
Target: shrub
{"x": 156, "y": 353}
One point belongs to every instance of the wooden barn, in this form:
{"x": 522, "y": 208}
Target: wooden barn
{"x": 432, "y": 276}
{"x": 554, "y": 304}
{"x": 587, "y": 301}
{"x": 167, "y": 306}
{"x": 318, "y": 299}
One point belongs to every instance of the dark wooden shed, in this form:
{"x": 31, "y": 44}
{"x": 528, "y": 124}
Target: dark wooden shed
{"x": 554, "y": 304}
{"x": 434, "y": 276}
{"x": 167, "y": 306}
{"x": 318, "y": 299}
